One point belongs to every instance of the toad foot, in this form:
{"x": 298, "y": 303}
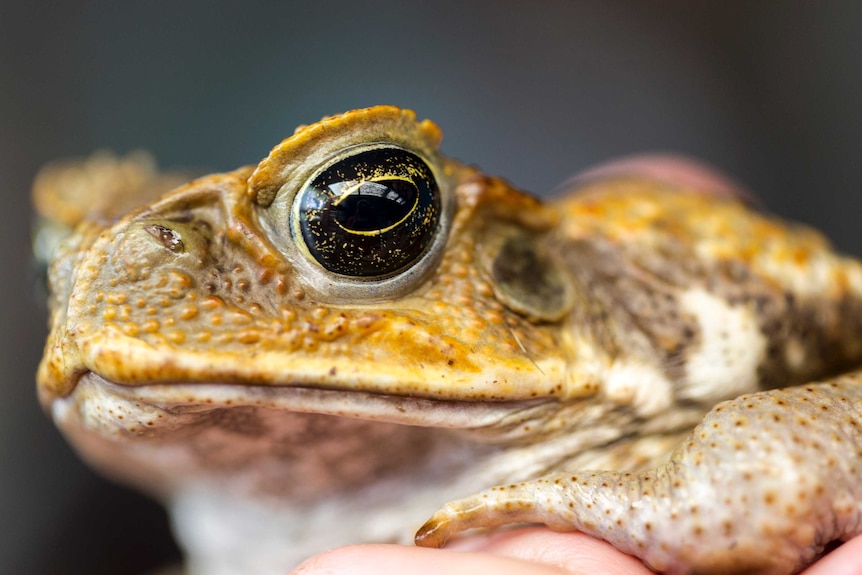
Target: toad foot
{"x": 745, "y": 493}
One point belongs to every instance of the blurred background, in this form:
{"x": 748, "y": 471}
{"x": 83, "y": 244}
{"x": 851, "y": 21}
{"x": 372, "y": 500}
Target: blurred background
{"x": 533, "y": 91}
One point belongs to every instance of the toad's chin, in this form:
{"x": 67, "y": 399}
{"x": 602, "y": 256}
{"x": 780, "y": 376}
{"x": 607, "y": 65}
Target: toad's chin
{"x": 270, "y": 473}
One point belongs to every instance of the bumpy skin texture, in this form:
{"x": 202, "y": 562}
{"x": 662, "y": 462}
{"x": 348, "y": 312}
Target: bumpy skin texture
{"x": 198, "y": 352}
{"x": 744, "y": 494}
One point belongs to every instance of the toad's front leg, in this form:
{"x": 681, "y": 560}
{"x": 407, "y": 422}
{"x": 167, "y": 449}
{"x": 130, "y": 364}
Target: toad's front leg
{"x": 762, "y": 485}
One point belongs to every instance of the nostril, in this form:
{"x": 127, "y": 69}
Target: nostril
{"x": 168, "y": 237}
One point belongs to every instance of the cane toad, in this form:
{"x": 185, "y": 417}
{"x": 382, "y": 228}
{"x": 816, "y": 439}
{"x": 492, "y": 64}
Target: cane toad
{"x": 327, "y": 347}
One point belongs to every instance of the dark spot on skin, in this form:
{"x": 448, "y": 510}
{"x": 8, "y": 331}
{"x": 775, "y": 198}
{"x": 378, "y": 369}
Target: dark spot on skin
{"x": 168, "y": 237}
{"x": 237, "y": 420}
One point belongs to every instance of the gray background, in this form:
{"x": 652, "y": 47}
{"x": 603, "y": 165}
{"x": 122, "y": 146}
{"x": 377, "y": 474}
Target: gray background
{"x": 534, "y": 91}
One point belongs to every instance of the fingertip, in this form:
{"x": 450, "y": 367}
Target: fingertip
{"x": 574, "y": 551}
{"x": 376, "y": 559}
{"x": 672, "y": 169}
{"x": 525, "y": 551}
{"x": 845, "y": 560}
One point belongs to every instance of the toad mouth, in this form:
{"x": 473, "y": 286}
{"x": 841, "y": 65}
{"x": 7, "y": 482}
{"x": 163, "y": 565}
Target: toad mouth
{"x": 180, "y": 398}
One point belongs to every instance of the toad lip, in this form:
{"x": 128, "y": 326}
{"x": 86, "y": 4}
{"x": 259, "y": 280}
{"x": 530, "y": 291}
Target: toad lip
{"x": 183, "y": 398}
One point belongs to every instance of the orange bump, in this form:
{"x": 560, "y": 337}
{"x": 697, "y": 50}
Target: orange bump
{"x": 176, "y": 337}
{"x": 211, "y": 302}
{"x": 131, "y": 329}
{"x": 116, "y": 298}
{"x": 248, "y": 336}
{"x": 188, "y": 312}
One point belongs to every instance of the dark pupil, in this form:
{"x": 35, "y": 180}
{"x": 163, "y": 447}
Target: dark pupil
{"x": 371, "y": 206}
{"x": 371, "y": 214}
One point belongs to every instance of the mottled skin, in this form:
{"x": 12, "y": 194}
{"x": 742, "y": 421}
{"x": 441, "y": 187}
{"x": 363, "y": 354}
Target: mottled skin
{"x": 197, "y": 352}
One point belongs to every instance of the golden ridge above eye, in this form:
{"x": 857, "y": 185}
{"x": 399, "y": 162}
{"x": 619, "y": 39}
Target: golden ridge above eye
{"x": 369, "y": 215}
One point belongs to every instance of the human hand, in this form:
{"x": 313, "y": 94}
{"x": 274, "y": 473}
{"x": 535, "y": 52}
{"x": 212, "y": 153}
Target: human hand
{"x": 528, "y": 551}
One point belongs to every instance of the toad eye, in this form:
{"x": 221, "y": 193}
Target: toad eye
{"x": 369, "y": 215}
